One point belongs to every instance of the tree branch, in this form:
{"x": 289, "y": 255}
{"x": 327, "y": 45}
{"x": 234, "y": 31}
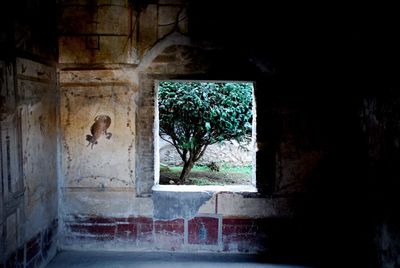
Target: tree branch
{"x": 201, "y": 153}
{"x": 173, "y": 143}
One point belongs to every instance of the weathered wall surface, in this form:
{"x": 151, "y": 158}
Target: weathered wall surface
{"x": 39, "y": 137}
{"x": 29, "y": 195}
{"x": 380, "y": 117}
{"x": 327, "y": 159}
{"x": 97, "y": 77}
{"x": 104, "y": 170}
{"x": 101, "y": 163}
{"x": 107, "y": 200}
{"x": 29, "y": 151}
{"x": 310, "y": 155}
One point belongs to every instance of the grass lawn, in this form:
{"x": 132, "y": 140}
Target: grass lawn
{"x": 202, "y": 175}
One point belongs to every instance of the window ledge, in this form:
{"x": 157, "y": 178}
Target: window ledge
{"x": 206, "y": 188}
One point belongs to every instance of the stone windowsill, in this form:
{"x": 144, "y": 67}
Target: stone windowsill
{"x": 206, "y": 188}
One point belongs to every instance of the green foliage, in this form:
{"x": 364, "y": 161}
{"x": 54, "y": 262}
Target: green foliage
{"x": 213, "y": 166}
{"x": 193, "y": 115}
{"x": 164, "y": 168}
{"x": 198, "y": 168}
{"x": 242, "y": 169}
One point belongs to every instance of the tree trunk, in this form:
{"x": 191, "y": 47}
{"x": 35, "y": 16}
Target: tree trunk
{"x": 187, "y": 167}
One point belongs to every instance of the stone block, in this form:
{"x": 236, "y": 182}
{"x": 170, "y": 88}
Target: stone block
{"x": 111, "y": 49}
{"x": 113, "y": 20}
{"x": 72, "y": 49}
{"x": 78, "y": 20}
{"x": 32, "y": 69}
{"x": 147, "y": 28}
{"x": 230, "y": 204}
{"x": 84, "y": 77}
{"x": 168, "y": 17}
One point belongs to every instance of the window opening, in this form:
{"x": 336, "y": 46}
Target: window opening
{"x": 205, "y": 133}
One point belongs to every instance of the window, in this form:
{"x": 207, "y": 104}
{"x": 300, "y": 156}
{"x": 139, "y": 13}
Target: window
{"x": 205, "y": 134}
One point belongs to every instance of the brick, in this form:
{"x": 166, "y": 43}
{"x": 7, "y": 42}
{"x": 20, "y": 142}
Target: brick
{"x": 203, "y": 230}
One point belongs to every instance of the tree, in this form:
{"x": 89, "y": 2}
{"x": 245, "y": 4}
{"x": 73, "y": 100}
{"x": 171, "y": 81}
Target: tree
{"x": 194, "y": 115}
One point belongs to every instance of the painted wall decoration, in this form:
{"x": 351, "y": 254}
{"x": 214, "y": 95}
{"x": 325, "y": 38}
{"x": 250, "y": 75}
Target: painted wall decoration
{"x": 101, "y": 124}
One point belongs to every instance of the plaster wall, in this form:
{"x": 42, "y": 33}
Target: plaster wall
{"x": 106, "y": 198}
{"x": 327, "y": 129}
{"x": 29, "y": 131}
{"x": 29, "y": 157}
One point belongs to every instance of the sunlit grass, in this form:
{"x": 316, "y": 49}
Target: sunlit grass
{"x": 203, "y": 175}
{"x": 223, "y": 169}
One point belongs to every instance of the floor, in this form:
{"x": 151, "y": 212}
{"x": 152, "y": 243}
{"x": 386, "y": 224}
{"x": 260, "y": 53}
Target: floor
{"x": 160, "y": 259}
